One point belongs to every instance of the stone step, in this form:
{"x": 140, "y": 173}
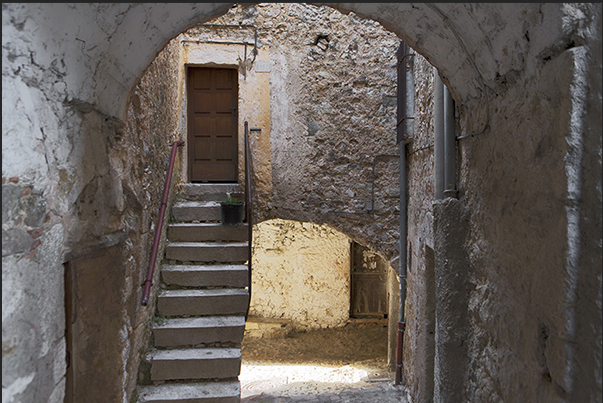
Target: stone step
{"x": 227, "y": 301}
{"x": 206, "y": 252}
{"x": 198, "y": 392}
{"x": 195, "y": 363}
{"x": 199, "y": 232}
{"x": 189, "y": 211}
{"x": 207, "y": 191}
{"x": 205, "y": 275}
{"x": 267, "y": 328}
{"x": 183, "y": 332}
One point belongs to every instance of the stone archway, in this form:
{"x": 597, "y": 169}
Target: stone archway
{"x": 527, "y": 78}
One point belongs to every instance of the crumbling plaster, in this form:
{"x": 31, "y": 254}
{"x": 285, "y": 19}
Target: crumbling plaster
{"x": 254, "y": 91}
{"x": 332, "y": 90}
{"x": 527, "y": 79}
{"x": 301, "y": 274}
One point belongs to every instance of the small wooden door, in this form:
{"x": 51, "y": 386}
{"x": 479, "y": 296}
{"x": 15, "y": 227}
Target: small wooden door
{"x": 369, "y": 286}
{"x": 212, "y": 124}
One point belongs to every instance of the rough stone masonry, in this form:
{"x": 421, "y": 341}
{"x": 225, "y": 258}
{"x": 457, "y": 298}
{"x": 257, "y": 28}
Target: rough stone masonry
{"x": 527, "y": 82}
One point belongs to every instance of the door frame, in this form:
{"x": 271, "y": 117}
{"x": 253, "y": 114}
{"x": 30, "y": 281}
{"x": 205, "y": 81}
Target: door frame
{"x": 188, "y": 109}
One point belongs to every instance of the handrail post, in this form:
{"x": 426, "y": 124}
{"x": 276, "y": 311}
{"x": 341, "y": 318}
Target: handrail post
{"x": 158, "y": 230}
{"x": 248, "y": 211}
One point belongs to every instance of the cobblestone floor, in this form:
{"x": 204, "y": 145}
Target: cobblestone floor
{"x": 332, "y": 365}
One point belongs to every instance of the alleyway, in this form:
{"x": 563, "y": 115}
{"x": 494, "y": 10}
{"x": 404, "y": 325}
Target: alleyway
{"x": 331, "y": 365}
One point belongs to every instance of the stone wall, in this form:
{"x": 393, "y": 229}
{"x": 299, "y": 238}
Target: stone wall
{"x": 88, "y": 198}
{"x": 420, "y": 297}
{"x": 526, "y": 78}
{"x": 332, "y": 94}
{"x": 226, "y": 45}
{"x": 301, "y": 272}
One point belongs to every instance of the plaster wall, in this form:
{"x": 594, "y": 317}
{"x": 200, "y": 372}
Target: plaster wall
{"x": 519, "y": 272}
{"x": 301, "y": 273}
{"x": 527, "y": 79}
{"x": 90, "y": 198}
{"x": 332, "y": 89}
{"x": 254, "y": 91}
{"x": 420, "y": 301}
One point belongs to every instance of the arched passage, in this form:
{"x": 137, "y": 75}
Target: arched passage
{"x": 526, "y": 76}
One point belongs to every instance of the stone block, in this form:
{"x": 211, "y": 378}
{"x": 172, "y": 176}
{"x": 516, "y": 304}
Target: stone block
{"x": 205, "y": 276}
{"x": 223, "y": 392}
{"x": 207, "y": 252}
{"x": 195, "y": 363}
{"x": 195, "y": 331}
{"x": 203, "y": 302}
{"x": 35, "y": 210}
{"x": 15, "y": 240}
{"x": 207, "y": 192}
{"x": 197, "y": 211}
{"x": 11, "y": 195}
{"x": 199, "y": 232}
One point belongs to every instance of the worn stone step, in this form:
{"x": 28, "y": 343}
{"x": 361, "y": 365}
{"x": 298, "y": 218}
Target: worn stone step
{"x": 183, "y": 332}
{"x": 226, "y": 301}
{"x": 207, "y": 191}
{"x": 205, "y": 275}
{"x": 199, "y": 232}
{"x": 195, "y": 363}
{"x": 197, "y": 392}
{"x": 189, "y": 211}
{"x": 267, "y": 328}
{"x": 221, "y": 252}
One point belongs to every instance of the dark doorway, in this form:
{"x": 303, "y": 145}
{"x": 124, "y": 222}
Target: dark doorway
{"x": 94, "y": 314}
{"x": 212, "y": 124}
{"x": 369, "y": 286}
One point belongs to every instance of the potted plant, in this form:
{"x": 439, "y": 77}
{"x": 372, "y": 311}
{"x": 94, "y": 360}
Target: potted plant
{"x": 232, "y": 211}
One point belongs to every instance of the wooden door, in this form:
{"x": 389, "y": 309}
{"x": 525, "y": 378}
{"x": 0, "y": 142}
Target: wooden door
{"x": 212, "y": 124}
{"x": 369, "y": 285}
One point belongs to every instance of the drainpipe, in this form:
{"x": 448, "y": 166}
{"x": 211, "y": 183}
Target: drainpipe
{"x": 449, "y": 146}
{"x": 438, "y": 142}
{"x": 406, "y": 103}
{"x": 444, "y": 145}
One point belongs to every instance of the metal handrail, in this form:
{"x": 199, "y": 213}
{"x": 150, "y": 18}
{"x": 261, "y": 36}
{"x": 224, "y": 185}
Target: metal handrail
{"x": 158, "y": 230}
{"x": 248, "y": 209}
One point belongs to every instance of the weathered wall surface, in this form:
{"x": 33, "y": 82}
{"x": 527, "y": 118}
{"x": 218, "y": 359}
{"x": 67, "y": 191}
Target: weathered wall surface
{"x": 301, "y": 272}
{"x": 517, "y": 182}
{"x": 326, "y": 84}
{"x": 420, "y": 299}
{"x": 526, "y": 77}
{"x": 88, "y": 184}
{"x": 200, "y": 46}
{"x": 152, "y": 126}
{"x": 332, "y": 93}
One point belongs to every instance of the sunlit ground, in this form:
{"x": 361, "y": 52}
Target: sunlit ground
{"x": 258, "y": 378}
{"x": 315, "y": 362}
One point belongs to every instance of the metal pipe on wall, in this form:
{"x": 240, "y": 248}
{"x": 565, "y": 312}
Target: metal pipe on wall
{"x": 404, "y": 132}
{"x": 438, "y": 142}
{"x": 449, "y": 145}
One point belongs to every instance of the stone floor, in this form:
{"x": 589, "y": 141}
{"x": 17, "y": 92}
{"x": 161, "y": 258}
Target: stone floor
{"x": 346, "y": 364}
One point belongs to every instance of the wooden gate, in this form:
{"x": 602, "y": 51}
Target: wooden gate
{"x": 369, "y": 284}
{"x": 212, "y": 124}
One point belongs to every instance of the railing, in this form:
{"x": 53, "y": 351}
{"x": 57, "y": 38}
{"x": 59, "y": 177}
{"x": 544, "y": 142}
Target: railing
{"x": 159, "y": 229}
{"x": 248, "y": 208}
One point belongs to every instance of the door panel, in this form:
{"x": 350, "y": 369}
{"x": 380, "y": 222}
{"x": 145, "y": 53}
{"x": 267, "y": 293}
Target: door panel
{"x": 223, "y": 79}
{"x": 223, "y": 150}
{"x": 369, "y": 284}
{"x": 212, "y": 131}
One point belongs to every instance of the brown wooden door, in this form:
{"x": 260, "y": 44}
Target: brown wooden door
{"x": 369, "y": 287}
{"x": 212, "y": 124}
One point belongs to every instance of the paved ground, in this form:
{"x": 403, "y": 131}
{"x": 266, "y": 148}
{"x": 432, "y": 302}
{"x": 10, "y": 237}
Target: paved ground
{"x": 332, "y": 365}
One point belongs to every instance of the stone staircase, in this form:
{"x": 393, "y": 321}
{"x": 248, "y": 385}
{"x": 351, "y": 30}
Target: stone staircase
{"x": 200, "y": 322}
